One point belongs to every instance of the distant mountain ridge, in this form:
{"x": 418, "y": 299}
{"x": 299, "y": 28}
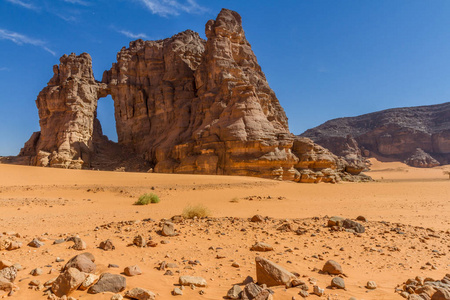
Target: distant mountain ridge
{"x": 397, "y": 134}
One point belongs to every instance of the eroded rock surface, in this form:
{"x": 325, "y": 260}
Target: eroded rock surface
{"x": 392, "y": 134}
{"x": 182, "y": 105}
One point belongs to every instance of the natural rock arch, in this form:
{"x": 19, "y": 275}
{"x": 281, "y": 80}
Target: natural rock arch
{"x": 182, "y": 105}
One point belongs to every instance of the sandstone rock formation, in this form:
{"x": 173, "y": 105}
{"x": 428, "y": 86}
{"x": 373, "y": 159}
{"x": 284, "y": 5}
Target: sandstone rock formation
{"x": 182, "y": 105}
{"x": 392, "y": 134}
{"x": 421, "y": 159}
{"x": 67, "y": 109}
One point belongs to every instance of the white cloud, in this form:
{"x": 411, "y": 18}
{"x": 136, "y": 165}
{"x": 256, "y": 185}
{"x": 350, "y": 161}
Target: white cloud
{"x": 79, "y": 2}
{"x": 172, "y": 7}
{"x": 23, "y": 4}
{"x": 21, "y": 39}
{"x": 132, "y": 35}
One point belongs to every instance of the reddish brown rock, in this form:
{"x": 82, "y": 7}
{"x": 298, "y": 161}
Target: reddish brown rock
{"x": 67, "y": 109}
{"x": 421, "y": 159}
{"x": 185, "y": 105}
{"x": 392, "y": 134}
{"x": 68, "y": 282}
{"x": 271, "y": 274}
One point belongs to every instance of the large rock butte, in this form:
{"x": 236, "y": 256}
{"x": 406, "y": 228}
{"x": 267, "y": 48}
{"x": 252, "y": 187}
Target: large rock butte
{"x": 419, "y": 136}
{"x": 182, "y": 105}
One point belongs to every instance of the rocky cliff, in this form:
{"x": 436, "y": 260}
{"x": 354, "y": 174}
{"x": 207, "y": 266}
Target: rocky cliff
{"x": 183, "y": 105}
{"x": 420, "y": 136}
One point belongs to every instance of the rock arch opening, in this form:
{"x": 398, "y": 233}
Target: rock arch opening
{"x": 105, "y": 114}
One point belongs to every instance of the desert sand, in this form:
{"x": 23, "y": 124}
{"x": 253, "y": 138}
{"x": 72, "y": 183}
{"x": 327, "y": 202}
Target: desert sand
{"x": 407, "y": 229}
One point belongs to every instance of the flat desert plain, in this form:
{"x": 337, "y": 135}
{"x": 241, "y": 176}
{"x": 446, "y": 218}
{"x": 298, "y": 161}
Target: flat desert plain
{"x": 406, "y": 232}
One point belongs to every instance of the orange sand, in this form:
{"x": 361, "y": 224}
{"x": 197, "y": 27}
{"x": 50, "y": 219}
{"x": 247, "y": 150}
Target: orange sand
{"x": 44, "y": 202}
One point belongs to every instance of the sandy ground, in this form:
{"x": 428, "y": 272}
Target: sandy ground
{"x": 54, "y": 203}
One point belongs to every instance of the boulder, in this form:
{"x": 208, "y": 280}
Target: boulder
{"x": 107, "y": 245}
{"x": 9, "y": 273}
{"x": 338, "y": 282}
{"x": 168, "y": 229}
{"x": 332, "y": 267}
{"x": 192, "y": 280}
{"x": 109, "y": 283}
{"x": 132, "y": 270}
{"x": 78, "y": 244}
{"x": 355, "y": 226}
{"x": 83, "y": 262}
{"x": 260, "y": 246}
{"x": 140, "y": 294}
{"x": 89, "y": 281}
{"x": 68, "y": 282}
{"x": 234, "y": 293}
{"x": 271, "y": 274}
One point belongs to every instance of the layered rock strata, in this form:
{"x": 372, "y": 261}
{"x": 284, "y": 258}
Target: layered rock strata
{"x": 67, "y": 111}
{"x": 392, "y": 134}
{"x": 184, "y": 105}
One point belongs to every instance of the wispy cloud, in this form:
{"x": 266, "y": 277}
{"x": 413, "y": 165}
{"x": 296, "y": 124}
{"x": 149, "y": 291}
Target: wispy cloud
{"x": 23, "y": 4}
{"x": 79, "y": 2}
{"x": 21, "y": 39}
{"x": 132, "y": 35}
{"x": 172, "y": 7}
{"x": 4, "y": 69}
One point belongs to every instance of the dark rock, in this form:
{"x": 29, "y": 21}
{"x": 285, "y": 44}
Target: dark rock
{"x": 109, "y": 283}
{"x": 332, "y": 267}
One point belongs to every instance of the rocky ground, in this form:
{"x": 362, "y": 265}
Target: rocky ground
{"x": 260, "y": 240}
{"x": 156, "y": 254}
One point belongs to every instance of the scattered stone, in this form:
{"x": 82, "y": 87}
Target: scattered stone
{"x": 6, "y": 285}
{"x": 83, "y": 262}
{"x": 335, "y": 221}
{"x": 235, "y": 292}
{"x": 371, "y": 285}
{"x": 177, "y": 292}
{"x": 78, "y": 244}
{"x": 253, "y": 291}
{"x": 68, "y": 282}
{"x": 271, "y": 274}
{"x": 14, "y": 246}
{"x": 303, "y": 293}
{"x": 257, "y": 219}
{"x": 34, "y": 282}
{"x": 5, "y": 264}
{"x": 132, "y": 270}
{"x": 338, "y": 282}
{"x": 352, "y": 225}
{"x": 235, "y": 264}
{"x": 50, "y": 282}
{"x": 140, "y": 294}
{"x": 318, "y": 291}
{"x": 152, "y": 243}
{"x": 192, "y": 280}
{"x": 109, "y": 283}
{"x": 36, "y": 272}
{"x": 332, "y": 267}
{"x": 89, "y": 281}
{"x": 107, "y": 245}
{"x": 35, "y": 243}
{"x": 260, "y": 246}
{"x": 9, "y": 273}
{"x": 139, "y": 241}
{"x": 361, "y": 218}
{"x": 168, "y": 229}
{"x": 117, "y": 297}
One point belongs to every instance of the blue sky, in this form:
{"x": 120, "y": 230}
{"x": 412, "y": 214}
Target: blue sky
{"x": 323, "y": 58}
